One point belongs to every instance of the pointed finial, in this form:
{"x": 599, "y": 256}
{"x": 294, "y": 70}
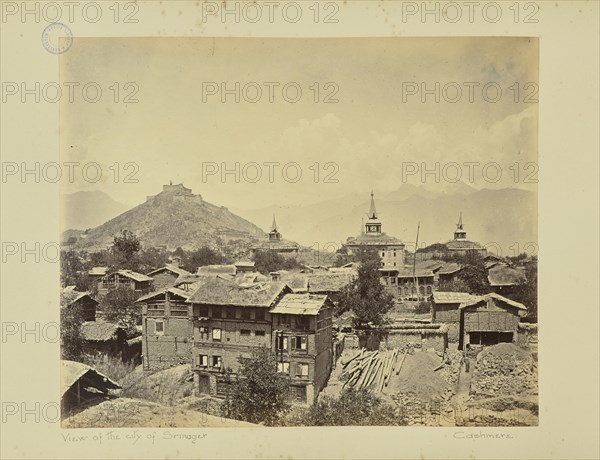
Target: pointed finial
{"x": 274, "y": 225}
{"x": 460, "y": 224}
{"x": 372, "y": 211}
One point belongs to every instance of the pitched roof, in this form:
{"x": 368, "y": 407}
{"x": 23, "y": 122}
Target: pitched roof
{"x": 172, "y": 268}
{"x": 276, "y": 245}
{"x": 72, "y": 371}
{"x": 244, "y": 263}
{"x": 75, "y": 296}
{"x": 214, "y": 269}
{"x": 328, "y": 282}
{"x": 503, "y": 275}
{"x": 223, "y": 292}
{"x": 449, "y": 268}
{"x": 407, "y": 272}
{"x": 452, "y": 297}
{"x": 299, "y": 304}
{"x": 370, "y": 239}
{"x": 172, "y": 290}
{"x": 493, "y": 295}
{"x": 133, "y": 275}
{"x": 98, "y": 271}
{"x": 99, "y": 331}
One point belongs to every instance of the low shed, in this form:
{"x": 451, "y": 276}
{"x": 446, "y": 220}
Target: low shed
{"x": 489, "y": 319}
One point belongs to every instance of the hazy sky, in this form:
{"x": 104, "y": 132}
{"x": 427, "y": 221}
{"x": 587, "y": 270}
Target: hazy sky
{"x": 373, "y": 131}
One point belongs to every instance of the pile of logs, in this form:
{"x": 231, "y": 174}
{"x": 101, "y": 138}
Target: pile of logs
{"x": 372, "y": 369}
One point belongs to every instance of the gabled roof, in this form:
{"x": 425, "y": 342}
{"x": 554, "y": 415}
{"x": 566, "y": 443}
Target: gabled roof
{"x": 171, "y": 268}
{"x": 299, "y": 304}
{"x": 215, "y": 269}
{"x": 223, "y": 292}
{"x": 98, "y": 271}
{"x": 72, "y": 371}
{"x": 503, "y": 275}
{"x": 452, "y": 297}
{"x": 76, "y": 296}
{"x": 407, "y": 272}
{"x": 132, "y": 275}
{"x": 328, "y": 282}
{"x": 449, "y": 268}
{"x": 245, "y": 263}
{"x": 493, "y": 295}
{"x": 99, "y": 331}
{"x": 172, "y": 290}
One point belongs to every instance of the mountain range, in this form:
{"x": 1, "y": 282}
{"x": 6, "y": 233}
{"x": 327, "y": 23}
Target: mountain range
{"x": 502, "y": 218}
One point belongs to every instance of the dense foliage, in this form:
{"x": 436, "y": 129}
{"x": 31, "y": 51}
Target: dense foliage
{"x": 270, "y": 261}
{"x": 352, "y": 407}
{"x": 71, "y": 319}
{"x": 365, "y": 296}
{"x": 259, "y": 393}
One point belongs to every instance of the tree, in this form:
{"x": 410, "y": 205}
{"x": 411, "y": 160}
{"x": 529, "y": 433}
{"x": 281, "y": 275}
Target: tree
{"x": 270, "y": 261}
{"x": 200, "y": 257}
{"x": 473, "y": 276}
{"x": 365, "y": 296}
{"x": 342, "y": 257}
{"x": 124, "y": 251}
{"x": 259, "y": 392}
{"x": 71, "y": 319}
{"x": 353, "y": 407}
{"x": 118, "y": 306}
{"x": 526, "y": 292}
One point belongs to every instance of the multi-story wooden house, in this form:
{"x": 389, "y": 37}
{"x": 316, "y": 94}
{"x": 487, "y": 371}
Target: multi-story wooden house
{"x": 167, "y": 276}
{"x": 125, "y": 278}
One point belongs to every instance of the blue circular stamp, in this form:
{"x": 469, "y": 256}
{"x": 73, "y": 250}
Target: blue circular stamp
{"x": 51, "y": 38}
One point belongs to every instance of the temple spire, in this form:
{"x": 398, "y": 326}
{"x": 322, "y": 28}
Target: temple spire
{"x": 274, "y": 224}
{"x": 459, "y": 233}
{"x": 459, "y": 226}
{"x": 372, "y": 211}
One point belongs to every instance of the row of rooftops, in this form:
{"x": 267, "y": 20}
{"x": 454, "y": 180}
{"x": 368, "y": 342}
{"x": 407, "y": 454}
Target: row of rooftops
{"x": 464, "y": 300}
{"x": 277, "y": 296}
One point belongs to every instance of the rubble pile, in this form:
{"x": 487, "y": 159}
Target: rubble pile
{"x": 503, "y": 369}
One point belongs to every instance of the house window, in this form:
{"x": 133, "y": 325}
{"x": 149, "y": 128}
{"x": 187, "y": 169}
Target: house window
{"x": 203, "y": 312}
{"x": 382, "y": 253}
{"x": 159, "y": 327}
{"x": 245, "y": 313}
{"x": 299, "y": 343}
{"x": 282, "y": 343}
{"x": 301, "y": 370}
{"x": 216, "y": 334}
{"x": 216, "y": 312}
{"x": 202, "y": 360}
{"x": 259, "y": 333}
{"x": 216, "y": 361}
{"x": 393, "y": 280}
{"x": 259, "y": 314}
{"x": 244, "y": 331}
{"x": 284, "y": 368}
{"x": 231, "y": 313}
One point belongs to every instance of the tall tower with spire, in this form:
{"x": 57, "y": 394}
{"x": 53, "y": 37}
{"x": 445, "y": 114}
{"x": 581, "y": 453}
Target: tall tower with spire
{"x": 373, "y": 224}
{"x": 460, "y": 233}
{"x": 274, "y": 234}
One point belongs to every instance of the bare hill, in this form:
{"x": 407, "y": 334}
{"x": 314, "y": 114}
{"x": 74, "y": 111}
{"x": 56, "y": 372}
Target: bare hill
{"x": 174, "y": 218}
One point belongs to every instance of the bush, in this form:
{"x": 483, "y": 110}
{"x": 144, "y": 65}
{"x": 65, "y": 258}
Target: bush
{"x": 110, "y": 366}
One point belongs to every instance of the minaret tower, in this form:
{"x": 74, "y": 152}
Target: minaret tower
{"x": 373, "y": 224}
{"x": 460, "y": 233}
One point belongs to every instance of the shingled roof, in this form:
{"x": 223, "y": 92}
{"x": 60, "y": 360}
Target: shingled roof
{"x": 440, "y": 297}
{"x": 224, "y": 292}
{"x": 172, "y": 290}
{"x": 367, "y": 239}
{"x": 171, "y": 268}
{"x": 99, "y": 331}
{"x": 133, "y": 275}
{"x": 72, "y": 371}
{"x": 478, "y": 299}
{"x": 328, "y": 282}
{"x": 300, "y": 304}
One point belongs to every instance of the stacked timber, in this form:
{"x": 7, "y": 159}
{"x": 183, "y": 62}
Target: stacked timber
{"x": 372, "y": 369}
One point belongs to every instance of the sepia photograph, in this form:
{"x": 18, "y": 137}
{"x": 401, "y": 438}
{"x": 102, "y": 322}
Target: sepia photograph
{"x": 300, "y": 232}
{"x": 291, "y": 229}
